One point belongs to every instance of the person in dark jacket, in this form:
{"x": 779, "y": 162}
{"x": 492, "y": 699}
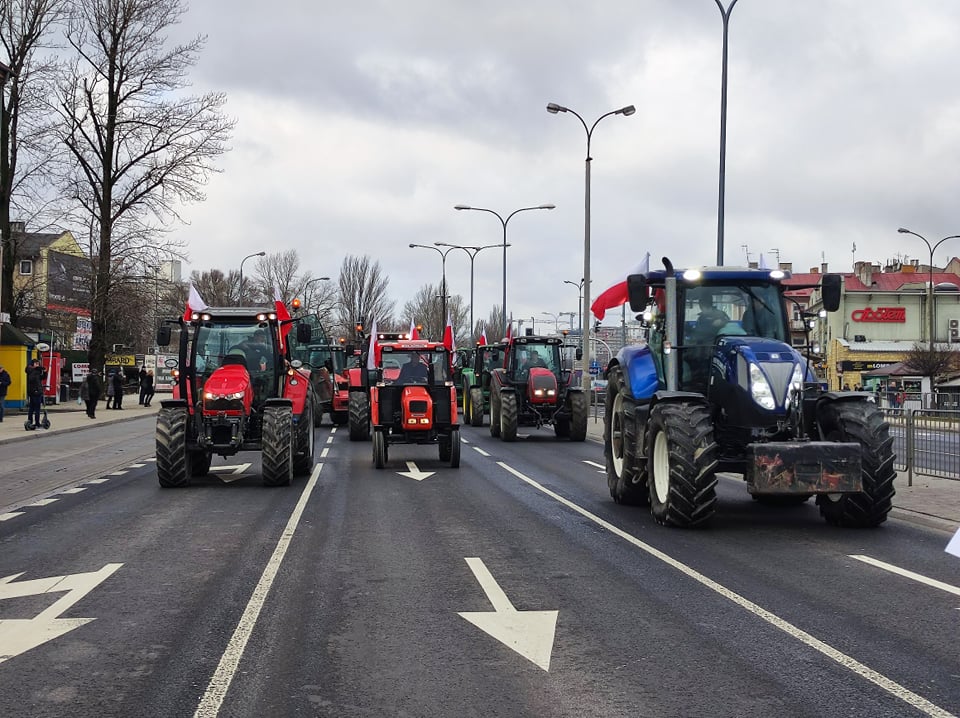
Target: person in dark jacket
{"x": 4, "y": 383}
{"x": 143, "y": 384}
{"x": 146, "y": 388}
{"x": 118, "y": 389}
{"x": 90, "y": 391}
{"x": 35, "y": 376}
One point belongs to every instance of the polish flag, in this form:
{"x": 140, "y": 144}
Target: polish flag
{"x": 448, "y": 340}
{"x": 510, "y": 330}
{"x": 282, "y": 314}
{"x": 372, "y": 347}
{"x": 414, "y": 334}
{"x": 195, "y": 303}
{"x": 483, "y": 338}
{"x": 616, "y": 295}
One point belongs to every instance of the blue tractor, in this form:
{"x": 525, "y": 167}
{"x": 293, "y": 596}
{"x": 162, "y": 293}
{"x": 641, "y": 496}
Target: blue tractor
{"x": 719, "y": 388}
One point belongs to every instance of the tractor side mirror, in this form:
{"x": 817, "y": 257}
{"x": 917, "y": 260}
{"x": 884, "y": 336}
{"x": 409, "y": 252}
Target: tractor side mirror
{"x": 163, "y": 335}
{"x": 304, "y": 333}
{"x": 638, "y": 292}
{"x": 831, "y": 287}
{"x": 579, "y": 353}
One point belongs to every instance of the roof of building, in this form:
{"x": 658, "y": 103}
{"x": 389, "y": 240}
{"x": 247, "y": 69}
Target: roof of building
{"x": 29, "y": 244}
{"x": 11, "y": 336}
{"x": 877, "y": 346}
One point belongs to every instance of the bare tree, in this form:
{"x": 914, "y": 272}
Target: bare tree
{"x": 279, "y": 270}
{"x": 493, "y": 325}
{"x": 25, "y": 26}
{"x": 363, "y": 295}
{"x": 938, "y": 361}
{"x": 139, "y": 147}
{"x": 426, "y": 310}
{"x": 216, "y": 288}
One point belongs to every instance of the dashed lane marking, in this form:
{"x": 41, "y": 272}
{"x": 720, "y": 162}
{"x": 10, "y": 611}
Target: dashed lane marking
{"x": 42, "y": 502}
{"x": 594, "y": 463}
{"x": 74, "y": 490}
{"x": 329, "y": 439}
{"x": 136, "y": 466}
{"x": 480, "y": 451}
{"x": 848, "y": 662}
{"x": 323, "y": 454}
{"x": 116, "y": 473}
{"x": 97, "y": 481}
{"x": 13, "y": 515}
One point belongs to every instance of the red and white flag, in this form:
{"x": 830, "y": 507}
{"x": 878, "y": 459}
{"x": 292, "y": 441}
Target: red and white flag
{"x": 372, "y": 347}
{"x": 616, "y": 295}
{"x": 509, "y": 330}
{"x": 414, "y": 334}
{"x": 448, "y": 340}
{"x": 282, "y": 314}
{"x": 195, "y": 303}
{"x": 483, "y": 338}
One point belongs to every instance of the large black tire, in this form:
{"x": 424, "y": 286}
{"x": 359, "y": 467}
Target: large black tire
{"x": 379, "y": 449}
{"x": 303, "y": 458}
{"x": 682, "y": 464}
{"x": 277, "y": 455}
{"x": 476, "y": 407}
{"x": 863, "y": 422}
{"x": 626, "y": 470}
{"x": 579, "y": 411}
{"x": 200, "y": 463}
{"x": 318, "y": 414}
{"x": 359, "y": 413}
{"x": 494, "y": 413}
{"x": 455, "y": 449}
{"x": 508, "y": 416}
{"x": 173, "y": 459}
{"x": 467, "y": 404}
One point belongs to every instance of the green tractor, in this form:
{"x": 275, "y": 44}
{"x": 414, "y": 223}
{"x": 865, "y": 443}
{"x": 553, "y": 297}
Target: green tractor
{"x": 475, "y": 382}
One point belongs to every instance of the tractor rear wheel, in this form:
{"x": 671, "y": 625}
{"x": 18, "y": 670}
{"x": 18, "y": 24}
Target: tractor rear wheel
{"x": 862, "y": 422}
{"x": 359, "y": 411}
{"x": 508, "y": 416}
{"x": 682, "y": 464}
{"x": 379, "y": 450}
{"x": 626, "y": 471}
{"x": 494, "y": 413}
{"x": 303, "y": 458}
{"x": 467, "y": 404}
{"x": 579, "y": 410}
{"x": 455, "y": 449}
{"x": 276, "y": 458}
{"x": 476, "y": 407}
{"x": 173, "y": 459}
{"x": 200, "y": 463}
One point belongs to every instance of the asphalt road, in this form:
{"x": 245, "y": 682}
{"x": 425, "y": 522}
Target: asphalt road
{"x": 343, "y": 595}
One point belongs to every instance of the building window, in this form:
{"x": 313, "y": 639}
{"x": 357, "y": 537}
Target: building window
{"x": 26, "y": 266}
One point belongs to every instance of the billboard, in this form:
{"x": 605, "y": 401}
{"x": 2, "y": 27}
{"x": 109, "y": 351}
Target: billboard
{"x": 68, "y": 283}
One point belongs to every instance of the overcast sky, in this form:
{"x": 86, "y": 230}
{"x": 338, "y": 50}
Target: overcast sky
{"x": 360, "y": 125}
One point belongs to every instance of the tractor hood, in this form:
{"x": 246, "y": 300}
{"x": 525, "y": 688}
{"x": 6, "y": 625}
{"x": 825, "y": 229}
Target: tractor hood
{"x": 542, "y": 386}
{"x": 771, "y": 372}
{"x": 228, "y": 388}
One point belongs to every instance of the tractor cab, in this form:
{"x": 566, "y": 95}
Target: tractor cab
{"x": 533, "y": 356}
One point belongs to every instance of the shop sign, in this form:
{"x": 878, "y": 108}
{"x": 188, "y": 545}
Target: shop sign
{"x": 880, "y": 314}
{"x": 843, "y": 366}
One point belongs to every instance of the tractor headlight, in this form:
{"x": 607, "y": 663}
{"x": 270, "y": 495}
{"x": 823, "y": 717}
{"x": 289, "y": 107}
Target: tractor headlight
{"x": 796, "y": 381}
{"x": 760, "y": 388}
{"x": 538, "y": 392}
{"x": 210, "y": 396}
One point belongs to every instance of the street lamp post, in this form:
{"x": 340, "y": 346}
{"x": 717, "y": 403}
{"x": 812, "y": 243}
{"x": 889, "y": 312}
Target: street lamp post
{"x": 5, "y": 73}
{"x": 472, "y": 252}
{"x": 443, "y": 281}
{"x": 556, "y": 322}
{"x": 307, "y": 286}
{"x": 725, "y": 14}
{"x": 932, "y": 248}
{"x": 554, "y": 108}
{"x": 579, "y": 286}
{"x": 504, "y": 222}
{"x": 255, "y": 254}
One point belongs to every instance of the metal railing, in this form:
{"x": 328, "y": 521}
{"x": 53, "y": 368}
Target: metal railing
{"x": 926, "y": 441}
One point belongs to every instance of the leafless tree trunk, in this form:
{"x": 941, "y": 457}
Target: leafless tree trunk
{"x": 25, "y": 26}
{"x": 139, "y": 149}
{"x": 938, "y": 361}
{"x": 216, "y": 288}
{"x": 363, "y": 295}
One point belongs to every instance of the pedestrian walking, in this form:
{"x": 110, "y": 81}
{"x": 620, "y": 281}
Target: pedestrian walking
{"x": 35, "y": 376}
{"x": 142, "y": 380}
{"x": 110, "y": 389}
{"x": 90, "y": 391}
{"x": 148, "y": 396}
{"x": 118, "y": 389}
{"x": 4, "y": 383}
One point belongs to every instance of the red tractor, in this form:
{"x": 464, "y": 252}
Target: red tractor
{"x": 413, "y": 399}
{"x": 236, "y": 390}
{"x": 533, "y": 388}
{"x": 359, "y": 381}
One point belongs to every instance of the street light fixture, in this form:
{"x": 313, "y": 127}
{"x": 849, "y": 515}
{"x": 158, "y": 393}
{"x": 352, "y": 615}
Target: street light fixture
{"x": 255, "y": 254}
{"x": 472, "y": 252}
{"x": 556, "y": 322}
{"x": 930, "y": 300}
{"x": 443, "y": 284}
{"x": 504, "y": 244}
{"x": 553, "y": 108}
{"x": 725, "y": 14}
{"x": 579, "y": 286}
{"x": 312, "y": 281}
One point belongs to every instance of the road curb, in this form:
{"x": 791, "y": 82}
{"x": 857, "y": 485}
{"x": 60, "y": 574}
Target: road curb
{"x": 40, "y": 433}
{"x": 921, "y": 519}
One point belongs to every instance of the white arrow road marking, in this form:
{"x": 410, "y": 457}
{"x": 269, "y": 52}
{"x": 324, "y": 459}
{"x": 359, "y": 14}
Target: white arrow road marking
{"x": 908, "y": 574}
{"x": 480, "y": 451}
{"x": 529, "y": 633}
{"x": 7, "y": 517}
{"x": 18, "y": 635}
{"x": 953, "y": 546}
{"x": 413, "y": 472}
{"x": 848, "y": 662}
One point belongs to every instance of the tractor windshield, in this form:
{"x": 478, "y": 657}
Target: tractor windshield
{"x": 543, "y": 356}
{"x": 416, "y": 367}
{"x": 252, "y": 345}
{"x": 331, "y": 357}
{"x": 711, "y": 311}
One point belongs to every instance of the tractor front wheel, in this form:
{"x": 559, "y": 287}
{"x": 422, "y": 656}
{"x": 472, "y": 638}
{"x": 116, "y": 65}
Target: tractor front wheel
{"x": 467, "y": 405}
{"x": 626, "y": 471}
{"x": 579, "y": 410}
{"x": 862, "y": 422}
{"x": 379, "y": 450}
{"x": 682, "y": 464}
{"x": 508, "y": 416}
{"x": 476, "y": 407}
{"x": 494, "y": 413}
{"x": 455, "y": 449}
{"x": 304, "y": 457}
{"x": 173, "y": 460}
{"x": 276, "y": 458}
{"x": 200, "y": 463}
{"x": 359, "y": 411}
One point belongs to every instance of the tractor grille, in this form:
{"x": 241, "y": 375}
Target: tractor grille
{"x": 222, "y": 405}
{"x": 419, "y": 407}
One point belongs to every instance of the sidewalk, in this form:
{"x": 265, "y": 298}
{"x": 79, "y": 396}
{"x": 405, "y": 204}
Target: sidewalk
{"x": 931, "y": 501}
{"x": 71, "y": 417}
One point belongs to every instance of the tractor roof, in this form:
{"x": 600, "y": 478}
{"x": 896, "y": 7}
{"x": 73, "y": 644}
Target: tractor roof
{"x": 698, "y": 275}
{"x": 239, "y": 313}
{"x": 535, "y": 339}
{"x": 411, "y": 345}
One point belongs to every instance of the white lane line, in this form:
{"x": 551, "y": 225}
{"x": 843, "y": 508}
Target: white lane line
{"x": 878, "y": 679}
{"x": 333, "y": 430}
{"x": 480, "y": 451}
{"x": 219, "y": 684}
{"x": 152, "y": 458}
{"x": 463, "y": 441}
{"x": 7, "y": 517}
{"x": 116, "y": 473}
{"x": 594, "y": 463}
{"x": 907, "y": 574}
{"x": 96, "y": 481}
{"x": 323, "y": 454}
{"x": 43, "y": 502}
{"x": 136, "y": 466}
{"x": 329, "y": 439}
{"x": 74, "y": 490}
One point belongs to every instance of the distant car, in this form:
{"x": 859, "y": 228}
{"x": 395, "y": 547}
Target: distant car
{"x": 599, "y": 386}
